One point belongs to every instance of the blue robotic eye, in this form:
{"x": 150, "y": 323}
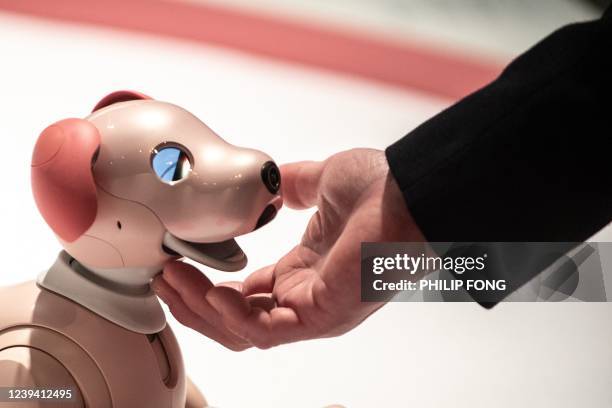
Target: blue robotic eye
{"x": 171, "y": 164}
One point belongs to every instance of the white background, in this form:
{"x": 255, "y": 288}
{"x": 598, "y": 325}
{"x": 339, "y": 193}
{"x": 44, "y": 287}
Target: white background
{"x": 425, "y": 355}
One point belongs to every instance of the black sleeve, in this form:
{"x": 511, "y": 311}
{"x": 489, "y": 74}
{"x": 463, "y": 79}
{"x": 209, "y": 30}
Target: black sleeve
{"x": 526, "y": 158}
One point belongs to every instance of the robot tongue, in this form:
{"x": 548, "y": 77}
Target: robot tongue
{"x": 226, "y": 256}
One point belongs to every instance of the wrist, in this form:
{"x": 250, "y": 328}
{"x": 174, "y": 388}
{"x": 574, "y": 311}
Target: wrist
{"x": 397, "y": 219}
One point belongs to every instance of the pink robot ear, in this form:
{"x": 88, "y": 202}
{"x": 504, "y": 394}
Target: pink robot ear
{"x": 119, "y": 96}
{"x": 62, "y": 181}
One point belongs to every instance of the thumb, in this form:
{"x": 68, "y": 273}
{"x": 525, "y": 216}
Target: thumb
{"x": 300, "y": 183}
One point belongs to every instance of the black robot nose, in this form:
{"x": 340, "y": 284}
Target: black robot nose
{"x": 270, "y": 174}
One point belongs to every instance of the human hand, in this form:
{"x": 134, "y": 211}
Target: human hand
{"x": 314, "y": 290}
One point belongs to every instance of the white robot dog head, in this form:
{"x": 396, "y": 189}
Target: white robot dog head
{"x": 139, "y": 182}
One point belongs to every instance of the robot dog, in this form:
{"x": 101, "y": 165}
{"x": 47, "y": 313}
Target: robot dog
{"x": 135, "y": 184}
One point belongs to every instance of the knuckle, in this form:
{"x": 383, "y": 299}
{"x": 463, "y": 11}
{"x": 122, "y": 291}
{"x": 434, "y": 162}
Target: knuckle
{"x": 237, "y": 347}
{"x": 264, "y": 343}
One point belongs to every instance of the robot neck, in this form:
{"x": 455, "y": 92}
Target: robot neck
{"x": 121, "y": 296}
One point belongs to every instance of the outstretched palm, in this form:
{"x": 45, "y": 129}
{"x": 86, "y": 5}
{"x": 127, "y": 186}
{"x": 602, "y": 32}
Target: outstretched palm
{"x": 314, "y": 290}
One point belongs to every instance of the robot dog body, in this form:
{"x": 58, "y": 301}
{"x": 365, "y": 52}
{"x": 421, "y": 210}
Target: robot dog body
{"x": 53, "y": 343}
{"x": 137, "y": 183}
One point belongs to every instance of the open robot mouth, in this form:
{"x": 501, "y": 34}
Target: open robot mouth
{"x": 266, "y": 216}
{"x": 226, "y": 255}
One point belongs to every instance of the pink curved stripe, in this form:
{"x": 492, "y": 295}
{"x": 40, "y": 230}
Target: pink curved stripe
{"x": 399, "y": 64}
